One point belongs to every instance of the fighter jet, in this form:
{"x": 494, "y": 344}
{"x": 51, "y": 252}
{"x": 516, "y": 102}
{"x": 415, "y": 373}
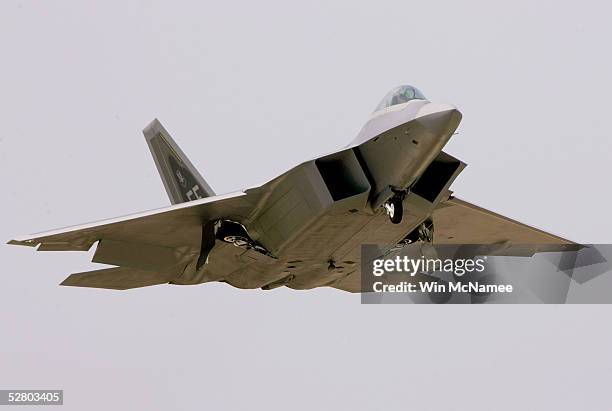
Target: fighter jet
{"x": 304, "y": 228}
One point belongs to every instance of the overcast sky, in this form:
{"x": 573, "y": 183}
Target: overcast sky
{"x": 248, "y": 89}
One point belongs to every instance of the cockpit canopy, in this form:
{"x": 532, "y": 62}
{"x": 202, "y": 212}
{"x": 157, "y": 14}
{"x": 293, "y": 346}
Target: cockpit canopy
{"x": 399, "y": 95}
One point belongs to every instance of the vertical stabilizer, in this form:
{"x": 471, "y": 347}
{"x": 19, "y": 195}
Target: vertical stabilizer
{"x": 182, "y": 181}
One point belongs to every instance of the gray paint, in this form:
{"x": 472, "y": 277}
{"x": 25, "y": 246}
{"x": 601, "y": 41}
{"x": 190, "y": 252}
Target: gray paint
{"x": 303, "y": 229}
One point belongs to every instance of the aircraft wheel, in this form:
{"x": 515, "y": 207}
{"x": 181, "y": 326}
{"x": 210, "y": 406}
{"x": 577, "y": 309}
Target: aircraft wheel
{"x": 395, "y": 209}
{"x": 233, "y": 233}
{"x": 237, "y": 240}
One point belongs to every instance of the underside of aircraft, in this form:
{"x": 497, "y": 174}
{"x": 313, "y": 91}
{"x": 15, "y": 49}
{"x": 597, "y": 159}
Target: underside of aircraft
{"x": 305, "y": 228}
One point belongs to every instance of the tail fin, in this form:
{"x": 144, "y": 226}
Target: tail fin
{"x": 182, "y": 181}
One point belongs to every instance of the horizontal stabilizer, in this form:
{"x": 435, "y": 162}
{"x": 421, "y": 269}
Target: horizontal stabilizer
{"x": 118, "y": 278}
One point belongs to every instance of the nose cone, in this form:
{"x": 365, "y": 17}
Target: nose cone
{"x": 439, "y": 119}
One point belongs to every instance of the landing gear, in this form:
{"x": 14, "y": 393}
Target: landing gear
{"x": 423, "y": 233}
{"x": 232, "y": 232}
{"x": 235, "y": 233}
{"x": 395, "y": 208}
{"x": 237, "y": 240}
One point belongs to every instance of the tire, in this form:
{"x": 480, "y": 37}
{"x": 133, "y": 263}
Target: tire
{"x": 233, "y": 233}
{"x": 237, "y": 240}
{"x": 397, "y": 209}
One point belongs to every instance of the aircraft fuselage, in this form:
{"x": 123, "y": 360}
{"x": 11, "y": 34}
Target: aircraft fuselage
{"x": 314, "y": 218}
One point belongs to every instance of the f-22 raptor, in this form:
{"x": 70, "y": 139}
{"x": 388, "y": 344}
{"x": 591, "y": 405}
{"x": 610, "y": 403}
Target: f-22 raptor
{"x": 303, "y": 229}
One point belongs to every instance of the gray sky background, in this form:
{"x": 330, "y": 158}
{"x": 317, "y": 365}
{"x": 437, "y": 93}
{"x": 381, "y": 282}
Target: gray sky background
{"x": 248, "y": 89}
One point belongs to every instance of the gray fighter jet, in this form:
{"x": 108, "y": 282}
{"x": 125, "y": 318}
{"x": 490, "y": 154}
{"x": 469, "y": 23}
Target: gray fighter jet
{"x": 303, "y": 229}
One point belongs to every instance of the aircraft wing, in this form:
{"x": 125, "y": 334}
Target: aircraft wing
{"x": 171, "y": 226}
{"x": 459, "y": 222}
{"x": 477, "y": 231}
{"x": 159, "y": 241}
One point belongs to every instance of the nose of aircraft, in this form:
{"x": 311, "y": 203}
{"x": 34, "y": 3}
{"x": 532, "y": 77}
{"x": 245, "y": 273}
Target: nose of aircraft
{"x": 439, "y": 119}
